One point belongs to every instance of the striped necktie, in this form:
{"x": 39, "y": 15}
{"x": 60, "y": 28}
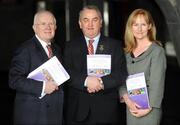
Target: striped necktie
{"x": 50, "y": 53}
{"x": 90, "y": 47}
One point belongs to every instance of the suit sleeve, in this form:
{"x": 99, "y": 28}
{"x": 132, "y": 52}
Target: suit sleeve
{"x": 157, "y": 78}
{"x": 118, "y": 68}
{"x": 19, "y": 69}
{"x": 74, "y": 68}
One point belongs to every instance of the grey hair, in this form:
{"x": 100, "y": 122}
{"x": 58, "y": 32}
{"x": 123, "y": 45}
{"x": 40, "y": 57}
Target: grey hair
{"x": 91, "y": 7}
{"x": 36, "y": 16}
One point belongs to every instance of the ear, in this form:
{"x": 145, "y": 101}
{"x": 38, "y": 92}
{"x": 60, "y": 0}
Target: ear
{"x": 150, "y": 26}
{"x": 55, "y": 27}
{"x": 80, "y": 24}
{"x": 101, "y": 22}
{"x": 34, "y": 27}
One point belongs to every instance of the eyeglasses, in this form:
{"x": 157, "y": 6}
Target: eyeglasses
{"x": 46, "y": 24}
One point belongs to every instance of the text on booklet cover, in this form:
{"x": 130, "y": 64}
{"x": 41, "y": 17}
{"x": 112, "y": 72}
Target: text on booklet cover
{"x": 137, "y": 90}
{"x": 98, "y": 65}
{"x": 50, "y": 70}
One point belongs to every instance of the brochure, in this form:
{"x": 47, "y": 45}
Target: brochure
{"x": 137, "y": 90}
{"x": 50, "y": 70}
{"x": 98, "y": 65}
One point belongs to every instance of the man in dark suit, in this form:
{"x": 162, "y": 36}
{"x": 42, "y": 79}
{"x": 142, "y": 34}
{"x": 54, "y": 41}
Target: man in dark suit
{"x": 90, "y": 99}
{"x": 30, "y": 105}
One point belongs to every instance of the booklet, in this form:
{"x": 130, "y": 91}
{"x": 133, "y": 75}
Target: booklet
{"x": 98, "y": 65}
{"x": 50, "y": 70}
{"x": 137, "y": 90}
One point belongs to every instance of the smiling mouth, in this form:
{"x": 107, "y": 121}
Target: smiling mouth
{"x": 139, "y": 33}
{"x": 90, "y": 28}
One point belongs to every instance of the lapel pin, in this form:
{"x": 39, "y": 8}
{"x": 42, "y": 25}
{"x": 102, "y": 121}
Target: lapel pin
{"x": 101, "y": 47}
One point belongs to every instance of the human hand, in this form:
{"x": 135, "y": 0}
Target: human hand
{"x": 130, "y": 103}
{"x": 94, "y": 84}
{"x": 140, "y": 112}
{"x": 50, "y": 87}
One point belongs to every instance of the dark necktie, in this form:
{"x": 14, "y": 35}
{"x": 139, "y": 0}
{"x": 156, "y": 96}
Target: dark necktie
{"x": 90, "y": 47}
{"x": 50, "y": 53}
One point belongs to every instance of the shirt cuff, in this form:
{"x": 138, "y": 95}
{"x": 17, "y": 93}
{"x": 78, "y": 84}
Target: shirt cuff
{"x": 42, "y": 92}
{"x": 85, "y": 82}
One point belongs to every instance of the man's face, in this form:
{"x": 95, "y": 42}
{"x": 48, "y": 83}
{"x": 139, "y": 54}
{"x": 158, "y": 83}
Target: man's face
{"x": 90, "y": 23}
{"x": 45, "y": 27}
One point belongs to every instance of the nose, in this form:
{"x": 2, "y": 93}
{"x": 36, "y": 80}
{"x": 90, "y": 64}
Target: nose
{"x": 90, "y": 24}
{"x": 140, "y": 28}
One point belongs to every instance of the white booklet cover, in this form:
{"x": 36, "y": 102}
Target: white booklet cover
{"x": 137, "y": 90}
{"x": 50, "y": 70}
{"x": 98, "y": 65}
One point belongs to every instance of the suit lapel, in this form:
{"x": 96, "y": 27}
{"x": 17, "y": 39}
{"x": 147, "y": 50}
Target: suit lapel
{"x": 84, "y": 47}
{"x": 40, "y": 51}
{"x": 83, "y": 51}
{"x": 55, "y": 53}
{"x": 102, "y": 47}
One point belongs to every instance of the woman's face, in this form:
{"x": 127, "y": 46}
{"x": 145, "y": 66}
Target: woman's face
{"x": 140, "y": 28}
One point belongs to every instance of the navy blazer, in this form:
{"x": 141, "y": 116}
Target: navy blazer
{"x": 29, "y": 109}
{"x": 104, "y": 104}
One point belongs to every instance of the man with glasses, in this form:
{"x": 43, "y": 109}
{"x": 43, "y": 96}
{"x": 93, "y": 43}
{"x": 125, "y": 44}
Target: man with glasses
{"x": 30, "y": 105}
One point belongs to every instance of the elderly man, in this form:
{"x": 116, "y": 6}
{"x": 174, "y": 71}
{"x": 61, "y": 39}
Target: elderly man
{"x": 30, "y": 105}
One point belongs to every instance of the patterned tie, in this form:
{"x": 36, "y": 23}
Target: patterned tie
{"x": 90, "y": 47}
{"x": 50, "y": 51}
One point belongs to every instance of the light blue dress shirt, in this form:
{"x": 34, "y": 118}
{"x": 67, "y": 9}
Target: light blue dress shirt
{"x": 95, "y": 43}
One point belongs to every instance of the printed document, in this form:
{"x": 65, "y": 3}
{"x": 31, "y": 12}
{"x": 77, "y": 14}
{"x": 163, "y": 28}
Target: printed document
{"x": 98, "y": 65}
{"x": 50, "y": 70}
{"x": 137, "y": 90}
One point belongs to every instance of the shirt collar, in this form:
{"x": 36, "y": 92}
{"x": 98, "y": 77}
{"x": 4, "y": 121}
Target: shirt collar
{"x": 43, "y": 43}
{"x": 96, "y": 39}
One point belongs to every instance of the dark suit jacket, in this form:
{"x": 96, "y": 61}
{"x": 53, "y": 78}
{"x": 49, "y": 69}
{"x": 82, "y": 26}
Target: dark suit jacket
{"x": 103, "y": 105}
{"x": 29, "y": 109}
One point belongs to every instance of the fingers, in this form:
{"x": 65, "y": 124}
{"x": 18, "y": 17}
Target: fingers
{"x": 94, "y": 84}
{"x": 50, "y": 87}
{"x": 95, "y": 89}
{"x": 137, "y": 106}
{"x": 140, "y": 112}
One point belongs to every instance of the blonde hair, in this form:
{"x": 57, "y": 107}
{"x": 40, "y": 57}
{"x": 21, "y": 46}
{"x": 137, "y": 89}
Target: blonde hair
{"x": 130, "y": 41}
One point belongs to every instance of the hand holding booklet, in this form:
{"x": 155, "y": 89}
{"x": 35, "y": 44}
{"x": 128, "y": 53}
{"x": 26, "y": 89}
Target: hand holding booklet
{"x": 51, "y": 70}
{"x": 98, "y": 65}
{"x": 137, "y": 90}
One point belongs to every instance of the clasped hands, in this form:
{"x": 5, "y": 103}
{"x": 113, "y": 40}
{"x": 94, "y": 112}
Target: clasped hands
{"x": 94, "y": 84}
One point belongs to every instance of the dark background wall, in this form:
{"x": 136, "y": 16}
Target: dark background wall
{"x": 16, "y": 27}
